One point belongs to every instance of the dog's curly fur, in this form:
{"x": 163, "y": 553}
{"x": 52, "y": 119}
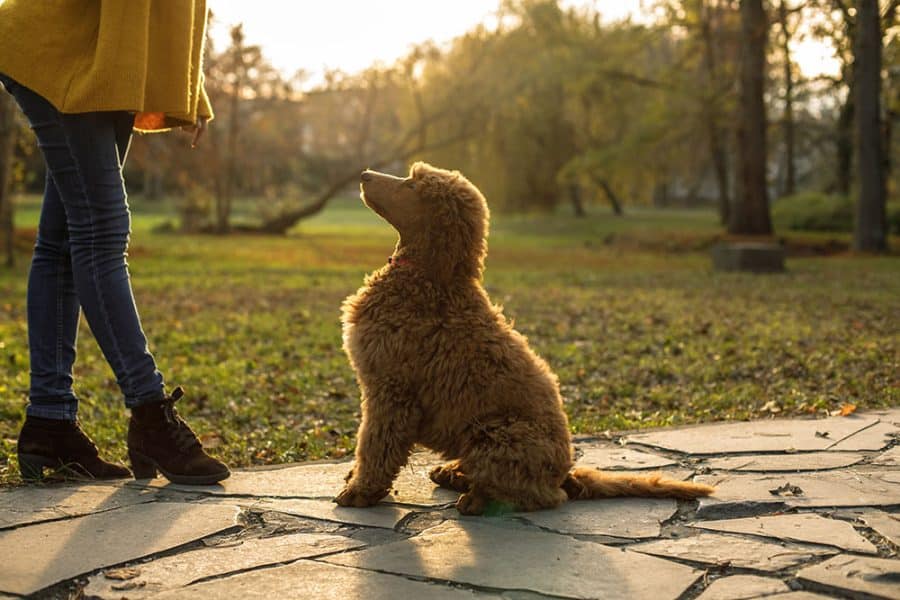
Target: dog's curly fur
{"x": 438, "y": 364}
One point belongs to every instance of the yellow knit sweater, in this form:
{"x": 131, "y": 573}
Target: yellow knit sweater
{"x": 142, "y": 56}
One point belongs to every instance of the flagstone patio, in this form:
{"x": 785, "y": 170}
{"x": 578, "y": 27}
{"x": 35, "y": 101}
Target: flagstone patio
{"x": 805, "y": 509}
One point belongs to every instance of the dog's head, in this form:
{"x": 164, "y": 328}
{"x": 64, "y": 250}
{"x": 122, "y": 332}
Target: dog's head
{"x": 441, "y": 217}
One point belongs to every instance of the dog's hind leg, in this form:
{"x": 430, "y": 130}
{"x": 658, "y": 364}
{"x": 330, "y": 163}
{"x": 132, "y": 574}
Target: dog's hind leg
{"x": 515, "y": 465}
{"x": 508, "y": 495}
{"x": 451, "y": 477}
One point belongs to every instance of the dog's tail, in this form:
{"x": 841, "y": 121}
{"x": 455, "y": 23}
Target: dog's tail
{"x": 584, "y": 484}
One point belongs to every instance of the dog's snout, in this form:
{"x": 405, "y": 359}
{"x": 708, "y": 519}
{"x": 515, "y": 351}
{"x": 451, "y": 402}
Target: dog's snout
{"x": 366, "y": 176}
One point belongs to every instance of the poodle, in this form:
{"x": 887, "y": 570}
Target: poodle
{"x": 439, "y": 365}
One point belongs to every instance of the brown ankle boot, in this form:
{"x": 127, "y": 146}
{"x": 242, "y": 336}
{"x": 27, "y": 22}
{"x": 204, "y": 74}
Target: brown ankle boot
{"x": 159, "y": 440}
{"x": 61, "y": 445}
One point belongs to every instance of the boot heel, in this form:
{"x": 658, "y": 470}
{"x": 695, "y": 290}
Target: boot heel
{"x": 31, "y": 467}
{"x": 141, "y": 467}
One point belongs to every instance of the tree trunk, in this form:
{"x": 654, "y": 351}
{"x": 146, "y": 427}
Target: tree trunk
{"x": 870, "y": 229}
{"x": 787, "y": 123}
{"x": 844, "y": 141}
{"x": 577, "y": 201}
{"x": 7, "y": 145}
{"x": 226, "y": 193}
{"x": 717, "y": 150}
{"x": 750, "y": 214}
{"x": 720, "y": 167}
{"x": 611, "y": 196}
{"x": 661, "y": 195}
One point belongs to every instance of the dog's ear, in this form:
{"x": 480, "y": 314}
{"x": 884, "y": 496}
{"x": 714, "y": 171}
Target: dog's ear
{"x": 447, "y": 240}
{"x": 456, "y": 229}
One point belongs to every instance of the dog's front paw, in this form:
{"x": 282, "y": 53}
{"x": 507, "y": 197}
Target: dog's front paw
{"x": 357, "y": 498}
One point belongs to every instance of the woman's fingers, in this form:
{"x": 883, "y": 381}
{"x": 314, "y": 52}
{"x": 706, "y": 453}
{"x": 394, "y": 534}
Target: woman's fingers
{"x": 199, "y": 130}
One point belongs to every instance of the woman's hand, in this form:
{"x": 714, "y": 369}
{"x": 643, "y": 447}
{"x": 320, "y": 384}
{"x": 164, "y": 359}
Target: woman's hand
{"x": 199, "y": 129}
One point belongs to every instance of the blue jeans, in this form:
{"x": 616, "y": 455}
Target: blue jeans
{"x": 79, "y": 258}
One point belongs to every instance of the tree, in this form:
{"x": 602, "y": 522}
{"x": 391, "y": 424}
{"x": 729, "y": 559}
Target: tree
{"x": 707, "y": 56}
{"x": 839, "y": 23}
{"x": 8, "y": 134}
{"x": 787, "y": 119}
{"x": 750, "y": 214}
{"x": 870, "y": 229}
{"x": 710, "y": 15}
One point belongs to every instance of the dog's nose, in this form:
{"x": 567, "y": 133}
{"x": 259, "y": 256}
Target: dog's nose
{"x": 366, "y": 176}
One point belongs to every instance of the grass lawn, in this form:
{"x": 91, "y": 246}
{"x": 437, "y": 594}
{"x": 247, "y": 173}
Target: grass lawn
{"x": 627, "y": 311}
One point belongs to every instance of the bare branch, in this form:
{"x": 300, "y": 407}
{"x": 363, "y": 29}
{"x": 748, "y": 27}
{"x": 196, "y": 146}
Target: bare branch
{"x": 281, "y": 223}
{"x": 890, "y": 14}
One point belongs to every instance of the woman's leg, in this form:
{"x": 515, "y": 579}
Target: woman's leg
{"x": 53, "y": 312}
{"x": 83, "y": 153}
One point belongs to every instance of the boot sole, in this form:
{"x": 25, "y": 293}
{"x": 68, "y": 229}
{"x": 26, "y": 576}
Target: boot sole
{"x": 31, "y": 468}
{"x": 142, "y": 466}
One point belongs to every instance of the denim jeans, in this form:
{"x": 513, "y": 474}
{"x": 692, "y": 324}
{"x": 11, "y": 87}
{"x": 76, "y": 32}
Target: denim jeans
{"x": 79, "y": 258}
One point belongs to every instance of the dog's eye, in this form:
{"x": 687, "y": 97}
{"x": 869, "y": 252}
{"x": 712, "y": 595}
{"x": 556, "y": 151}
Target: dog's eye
{"x": 410, "y": 183}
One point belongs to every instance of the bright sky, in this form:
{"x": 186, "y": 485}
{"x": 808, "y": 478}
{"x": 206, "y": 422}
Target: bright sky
{"x": 315, "y": 35}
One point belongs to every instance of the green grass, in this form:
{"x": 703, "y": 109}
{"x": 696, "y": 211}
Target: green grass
{"x": 639, "y": 338}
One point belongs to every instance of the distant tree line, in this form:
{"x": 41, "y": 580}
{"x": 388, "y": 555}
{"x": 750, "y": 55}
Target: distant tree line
{"x": 552, "y": 107}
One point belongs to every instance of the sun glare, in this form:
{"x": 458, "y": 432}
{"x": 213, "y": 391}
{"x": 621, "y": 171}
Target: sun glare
{"x": 350, "y": 35}
{"x": 344, "y": 34}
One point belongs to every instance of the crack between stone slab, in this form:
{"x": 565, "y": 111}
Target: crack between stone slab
{"x": 870, "y": 533}
{"x": 604, "y": 539}
{"x": 68, "y": 517}
{"x": 400, "y": 526}
{"x": 274, "y": 565}
{"x": 738, "y": 509}
{"x": 261, "y": 510}
{"x": 459, "y": 584}
{"x": 815, "y": 586}
{"x": 208, "y": 494}
{"x": 138, "y": 560}
{"x": 705, "y": 581}
{"x": 771, "y": 538}
{"x": 847, "y": 437}
{"x": 731, "y": 569}
{"x": 695, "y": 461}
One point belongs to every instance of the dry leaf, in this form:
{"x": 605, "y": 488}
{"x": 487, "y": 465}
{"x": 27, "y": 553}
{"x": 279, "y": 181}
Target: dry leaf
{"x": 771, "y": 406}
{"x": 122, "y": 574}
{"x": 211, "y": 440}
{"x": 787, "y": 490}
{"x": 847, "y": 409}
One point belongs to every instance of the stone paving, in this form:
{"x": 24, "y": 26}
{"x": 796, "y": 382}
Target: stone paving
{"x": 805, "y": 509}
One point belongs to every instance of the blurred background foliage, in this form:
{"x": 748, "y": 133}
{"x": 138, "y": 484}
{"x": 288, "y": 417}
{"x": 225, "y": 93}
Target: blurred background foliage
{"x": 553, "y": 108}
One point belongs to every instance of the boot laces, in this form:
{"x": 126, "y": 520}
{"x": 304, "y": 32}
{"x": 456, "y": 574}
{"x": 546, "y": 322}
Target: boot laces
{"x": 181, "y": 433}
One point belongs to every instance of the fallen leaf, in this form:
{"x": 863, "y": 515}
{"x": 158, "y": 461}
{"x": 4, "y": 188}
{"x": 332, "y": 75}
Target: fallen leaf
{"x": 128, "y": 585}
{"x": 823, "y": 434}
{"x": 787, "y": 490}
{"x": 211, "y": 440}
{"x": 847, "y": 409}
{"x": 122, "y": 574}
{"x": 771, "y": 406}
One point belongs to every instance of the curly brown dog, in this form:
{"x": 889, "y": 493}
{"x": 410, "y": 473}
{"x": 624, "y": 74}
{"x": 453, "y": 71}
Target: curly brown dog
{"x": 439, "y": 365}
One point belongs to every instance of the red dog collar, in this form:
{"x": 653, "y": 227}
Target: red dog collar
{"x": 399, "y": 261}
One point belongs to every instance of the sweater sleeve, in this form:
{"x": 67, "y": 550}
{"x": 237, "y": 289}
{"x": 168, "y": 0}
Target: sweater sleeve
{"x": 204, "y": 108}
